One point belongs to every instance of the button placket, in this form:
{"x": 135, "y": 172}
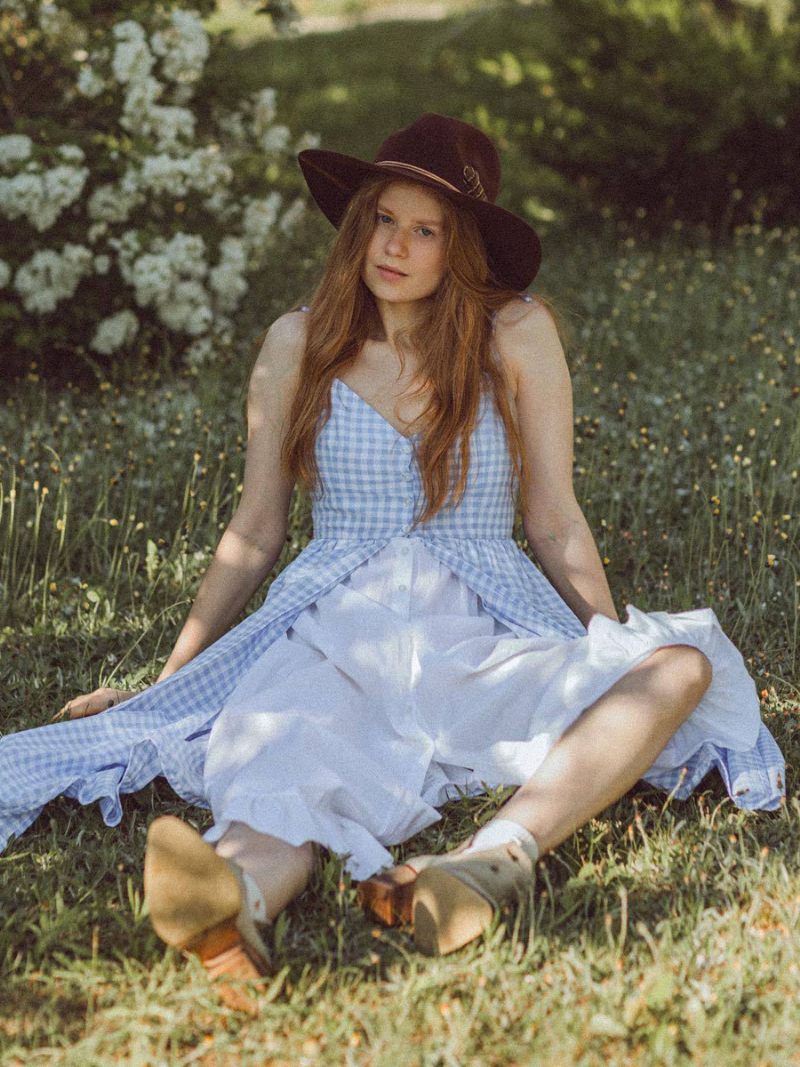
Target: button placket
{"x": 409, "y": 480}
{"x": 403, "y": 584}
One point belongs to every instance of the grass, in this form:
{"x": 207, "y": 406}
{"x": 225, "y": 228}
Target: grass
{"x": 661, "y": 932}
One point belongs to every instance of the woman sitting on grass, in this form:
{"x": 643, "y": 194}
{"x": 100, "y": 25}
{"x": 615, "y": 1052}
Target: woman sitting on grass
{"x": 412, "y": 651}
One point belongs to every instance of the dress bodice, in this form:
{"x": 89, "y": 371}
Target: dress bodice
{"x": 371, "y": 486}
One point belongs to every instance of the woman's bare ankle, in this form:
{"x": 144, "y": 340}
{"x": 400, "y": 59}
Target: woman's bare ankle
{"x": 280, "y": 871}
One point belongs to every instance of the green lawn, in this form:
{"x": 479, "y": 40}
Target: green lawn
{"x": 663, "y": 932}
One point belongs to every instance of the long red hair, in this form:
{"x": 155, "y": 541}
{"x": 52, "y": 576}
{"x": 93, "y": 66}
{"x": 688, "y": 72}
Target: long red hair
{"x": 452, "y": 343}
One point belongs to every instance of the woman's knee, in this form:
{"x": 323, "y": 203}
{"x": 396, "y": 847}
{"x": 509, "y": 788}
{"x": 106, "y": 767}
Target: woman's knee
{"x": 685, "y": 669}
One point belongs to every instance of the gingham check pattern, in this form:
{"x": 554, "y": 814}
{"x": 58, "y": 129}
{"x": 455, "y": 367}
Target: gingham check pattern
{"x": 370, "y": 492}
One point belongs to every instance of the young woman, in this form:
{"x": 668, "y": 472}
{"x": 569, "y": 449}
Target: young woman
{"x": 412, "y": 649}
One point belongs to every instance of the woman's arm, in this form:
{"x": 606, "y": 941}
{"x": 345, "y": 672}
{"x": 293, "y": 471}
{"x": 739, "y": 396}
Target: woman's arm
{"x": 252, "y": 543}
{"x": 553, "y": 522}
{"x": 253, "y": 540}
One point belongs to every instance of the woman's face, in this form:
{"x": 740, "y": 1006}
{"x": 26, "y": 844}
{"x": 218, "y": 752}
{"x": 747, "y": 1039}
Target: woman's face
{"x": 405, "y": 258}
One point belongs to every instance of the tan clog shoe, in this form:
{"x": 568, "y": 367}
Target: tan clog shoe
{"x": 197, "y": 904}
{"x": 456, "y": 898}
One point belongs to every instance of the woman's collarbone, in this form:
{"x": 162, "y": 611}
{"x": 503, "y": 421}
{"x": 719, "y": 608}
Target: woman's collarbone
{"x": 393, "y": 397}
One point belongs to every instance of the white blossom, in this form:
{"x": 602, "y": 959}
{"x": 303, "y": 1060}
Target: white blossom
{"x": 90, "y": 83}
{"x": 263, "y": 112}
{"x": 150, "y": 275}
{"x": 102, "y": 264}
{"x": 306, "y": 140}
{"x": 41, "y": 196}
{"x": 168, "y": 277}
{"x": 5, "y": 274}
{"x": 187, "y": 251}
{"x": 49, "y": 276}
{"x": 115, "y": 332}
{"x": 171, "y": 124}
{"x": 291, "y": 215}
{"x": 165, "y": 174}
{"x": 227, "y": 279}
{"x": 210, "y": 169}
{"x": 127, "y": 246}
{"x": 184, "y": 47}
{"x": 222, "y": 205}
{"x": 15, "y": 148}
{"x": 232, "y": 123}
{"x": 258, "y": 222}
{"x": 275, "y": 139}
{"x": 137, "y": 109}
{"x": 114, "y": 203}
{"x": 96, "y": 230}
{"x": 133, "y": 60}
{"x": 188, "y": 308}
{"x": 71, "y": 153}
{"x": 204, "y": 170}
{"x": 224, "y": 329}
{"x": 199, "y": 352}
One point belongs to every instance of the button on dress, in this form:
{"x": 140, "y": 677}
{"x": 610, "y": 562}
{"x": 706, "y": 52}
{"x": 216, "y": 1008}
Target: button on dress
{"x": 391, "y": 665}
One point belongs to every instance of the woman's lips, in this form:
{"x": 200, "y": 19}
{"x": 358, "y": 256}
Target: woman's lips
{"x": 389, "y": 274}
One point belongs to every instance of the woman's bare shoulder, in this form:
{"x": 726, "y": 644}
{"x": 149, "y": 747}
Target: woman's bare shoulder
{"x": 286, "y": 334}
{"x": 523, "y": 328}
{"x": 281, "y": 350}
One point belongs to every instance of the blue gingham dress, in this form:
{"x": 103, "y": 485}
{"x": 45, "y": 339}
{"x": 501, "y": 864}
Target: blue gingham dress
{"x": 390, "y": 666}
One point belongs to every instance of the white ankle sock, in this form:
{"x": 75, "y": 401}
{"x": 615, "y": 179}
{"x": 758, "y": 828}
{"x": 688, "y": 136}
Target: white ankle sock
{"x": 499, "y": 832}
{"x": 254, "y": 899}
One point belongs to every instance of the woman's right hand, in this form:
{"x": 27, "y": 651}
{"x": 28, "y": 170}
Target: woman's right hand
{"x": 101, "y": 699}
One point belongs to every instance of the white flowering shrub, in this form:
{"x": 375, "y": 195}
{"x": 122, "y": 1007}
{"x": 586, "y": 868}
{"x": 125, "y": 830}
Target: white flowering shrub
{"x": 135, "y": 206}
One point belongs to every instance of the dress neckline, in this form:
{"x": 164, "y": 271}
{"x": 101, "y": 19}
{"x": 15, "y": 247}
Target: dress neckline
{"x": 374, "y": 410}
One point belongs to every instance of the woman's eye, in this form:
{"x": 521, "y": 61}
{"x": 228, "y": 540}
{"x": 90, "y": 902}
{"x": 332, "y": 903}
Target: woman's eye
{"x": 382, "y": 218}
{"x": 427, "y": 232}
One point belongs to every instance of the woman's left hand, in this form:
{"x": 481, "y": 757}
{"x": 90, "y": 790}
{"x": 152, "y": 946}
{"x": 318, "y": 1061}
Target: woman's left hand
{"x": 93, "y": 703}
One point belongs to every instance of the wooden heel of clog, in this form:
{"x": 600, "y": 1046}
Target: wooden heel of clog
{"x": 389, "y": 896}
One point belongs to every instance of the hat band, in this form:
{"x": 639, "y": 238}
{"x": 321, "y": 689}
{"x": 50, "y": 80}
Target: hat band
{"x": 435, "y": 177}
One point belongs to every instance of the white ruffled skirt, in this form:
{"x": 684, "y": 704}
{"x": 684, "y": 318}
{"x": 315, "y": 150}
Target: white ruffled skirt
{"x": 397, "y": 689}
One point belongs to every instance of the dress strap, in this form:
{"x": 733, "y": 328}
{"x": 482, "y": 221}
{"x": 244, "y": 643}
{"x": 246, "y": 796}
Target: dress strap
{"x": 523, "y": 296}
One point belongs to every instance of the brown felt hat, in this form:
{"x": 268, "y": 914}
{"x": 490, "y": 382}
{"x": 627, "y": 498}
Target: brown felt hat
{"x": 450, "y": 156}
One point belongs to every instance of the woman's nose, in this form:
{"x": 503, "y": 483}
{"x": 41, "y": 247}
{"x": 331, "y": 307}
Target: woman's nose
{"x": 396, "y": 243}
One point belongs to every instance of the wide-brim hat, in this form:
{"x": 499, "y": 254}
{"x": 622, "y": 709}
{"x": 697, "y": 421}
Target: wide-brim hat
{"x": 457, "y": 160}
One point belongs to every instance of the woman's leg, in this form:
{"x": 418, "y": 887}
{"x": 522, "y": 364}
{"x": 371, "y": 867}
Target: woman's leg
{"x": 611, "y": 745}
{"x": 594, "y": 763}
{"x": 280, "y": 870}
{"x": 201, "y": 903}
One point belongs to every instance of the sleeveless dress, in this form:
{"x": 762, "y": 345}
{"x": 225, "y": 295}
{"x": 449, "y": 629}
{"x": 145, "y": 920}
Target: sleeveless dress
{"x": 391, "y": 667}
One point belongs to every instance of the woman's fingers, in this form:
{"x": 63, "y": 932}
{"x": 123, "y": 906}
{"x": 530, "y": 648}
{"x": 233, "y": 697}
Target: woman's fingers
{"x": 92, "y": 703}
